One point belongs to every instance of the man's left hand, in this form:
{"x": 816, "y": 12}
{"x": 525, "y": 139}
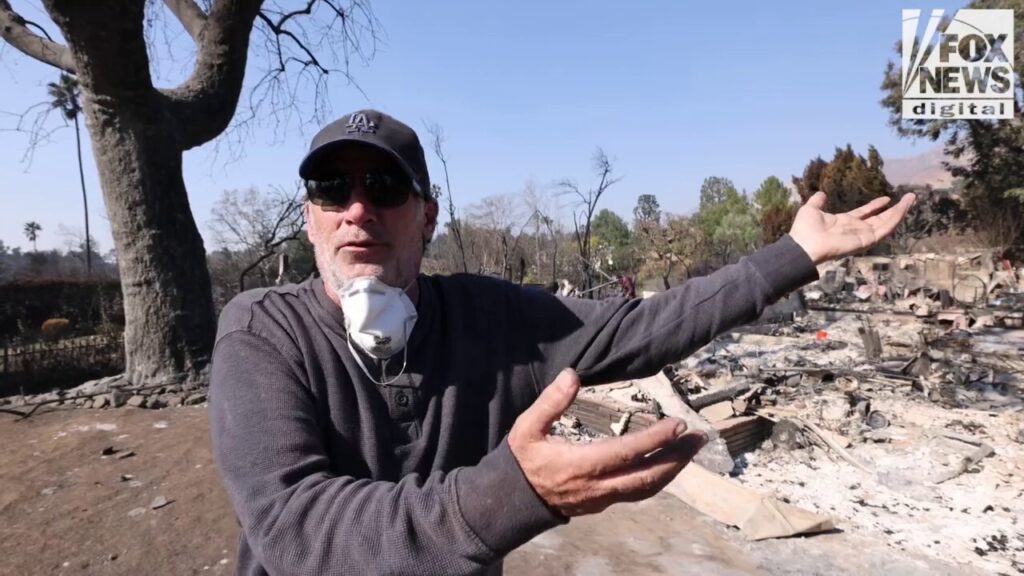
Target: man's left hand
{"x": 827, "y": 236}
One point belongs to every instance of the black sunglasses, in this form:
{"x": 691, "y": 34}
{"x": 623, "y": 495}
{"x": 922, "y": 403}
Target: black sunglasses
{"x": 383, "y": 189}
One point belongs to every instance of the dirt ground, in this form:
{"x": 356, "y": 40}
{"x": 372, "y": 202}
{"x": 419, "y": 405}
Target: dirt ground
{"x": 67, "y": 508}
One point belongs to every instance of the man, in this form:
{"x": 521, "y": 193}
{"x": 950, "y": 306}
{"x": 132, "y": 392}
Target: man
{"x": 378, "y": 421}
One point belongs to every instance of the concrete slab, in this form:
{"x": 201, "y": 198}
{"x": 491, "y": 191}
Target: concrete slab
{"x": 663, "y": 536}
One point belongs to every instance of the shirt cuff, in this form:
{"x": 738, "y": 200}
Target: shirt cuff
{"x": 785, "y": 266}
{"x": 500, "y": 505}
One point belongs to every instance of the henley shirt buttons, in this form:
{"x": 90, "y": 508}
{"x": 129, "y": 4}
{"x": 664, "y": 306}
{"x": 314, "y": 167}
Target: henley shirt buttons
{"x": 402, "y": 399}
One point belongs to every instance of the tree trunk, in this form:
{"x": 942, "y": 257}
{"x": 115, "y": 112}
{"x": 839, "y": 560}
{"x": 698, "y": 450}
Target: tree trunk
{"x": 506, "y": 269}
{"x": 170, "y": 326}
{"x": 167, "y": 298}
{"x": 665, "y": 277}
{"x": 554, "y": 258}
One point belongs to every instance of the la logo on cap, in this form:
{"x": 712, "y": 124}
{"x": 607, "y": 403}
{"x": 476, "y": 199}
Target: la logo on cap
{"x": 360, "y": 123}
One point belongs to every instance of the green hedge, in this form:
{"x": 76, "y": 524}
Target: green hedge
{"x": 90, "y": 305}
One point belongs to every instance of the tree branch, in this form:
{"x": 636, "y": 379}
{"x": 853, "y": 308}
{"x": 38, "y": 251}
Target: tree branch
{"x": 300, "y": 46}
{"x": 301, "y": 50}
{"x": 204, "y": 104}
{"x": 305, "y": 11}
{"x": 14, "y": 29}
{"x": 279, "y": 30}
{"x": 190, "y": 15}
{"x": 32, "y": 123}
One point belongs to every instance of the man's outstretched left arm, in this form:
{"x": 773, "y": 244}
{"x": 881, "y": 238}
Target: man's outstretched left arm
{"x": 620, "y": 338}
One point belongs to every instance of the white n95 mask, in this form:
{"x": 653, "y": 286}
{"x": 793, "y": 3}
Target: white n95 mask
{"x": 378, "y": 318}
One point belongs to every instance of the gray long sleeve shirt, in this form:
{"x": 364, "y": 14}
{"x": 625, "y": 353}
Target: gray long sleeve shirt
{"x": 330, "y": 473}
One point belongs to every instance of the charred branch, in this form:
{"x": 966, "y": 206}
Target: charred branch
{"x": 586, "y": 206}
{"x": 437, "y": 143}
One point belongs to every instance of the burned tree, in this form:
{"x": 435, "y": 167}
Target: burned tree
{"x": 454, "y": 224}
{"x": 936, "y": 212}
{"x": 257, "y": 224}
{"x": 584, "y": 208}
{"x": 547, "y": 232}
{"x": 500, "y": 221}
{"x": 139, "y": 133}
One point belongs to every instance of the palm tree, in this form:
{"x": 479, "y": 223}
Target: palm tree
{"x": 32, "y": 232}
{"x": 64, "y": 96}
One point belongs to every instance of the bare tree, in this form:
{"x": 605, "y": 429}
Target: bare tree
{"x": 555, "y": 234}
{"x": 584, "y": 207}
{"x": 503, "y": 221}
{"x": 77, "y": 246}
{"x": 547, "y": 232}
{"x": 1001, "y": 229}
{"x": 454, "y": 225}
{"x": 139, "y": 133}
{"x": 936, "y": 212}
{"x": 256, "y": 224}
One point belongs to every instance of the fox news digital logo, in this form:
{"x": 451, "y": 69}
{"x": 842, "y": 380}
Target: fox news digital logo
{"x": 965, "y": 71}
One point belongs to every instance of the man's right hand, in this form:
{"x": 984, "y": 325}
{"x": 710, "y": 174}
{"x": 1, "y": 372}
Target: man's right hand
{"x": 578, "y": 479}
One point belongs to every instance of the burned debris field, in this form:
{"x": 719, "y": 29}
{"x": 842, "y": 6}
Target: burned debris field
{"x": 890, "y": 406}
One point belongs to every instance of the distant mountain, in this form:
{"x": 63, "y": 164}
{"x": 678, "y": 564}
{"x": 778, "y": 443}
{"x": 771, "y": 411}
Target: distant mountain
{"x": 923, "y": 169}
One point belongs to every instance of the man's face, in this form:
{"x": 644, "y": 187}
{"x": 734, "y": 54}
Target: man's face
{"x": 360, "y": 239}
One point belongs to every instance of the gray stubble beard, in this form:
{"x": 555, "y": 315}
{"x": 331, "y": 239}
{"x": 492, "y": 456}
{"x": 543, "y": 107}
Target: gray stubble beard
{"x": 331, "y": 272}
{"x": 329, "y": 269}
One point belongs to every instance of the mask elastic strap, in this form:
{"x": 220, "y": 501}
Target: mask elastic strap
{"x": 409, "y": 285}
{"x": 383, "y": 381}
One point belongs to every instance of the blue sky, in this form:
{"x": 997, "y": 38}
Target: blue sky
{"x": 527, "y": 90}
